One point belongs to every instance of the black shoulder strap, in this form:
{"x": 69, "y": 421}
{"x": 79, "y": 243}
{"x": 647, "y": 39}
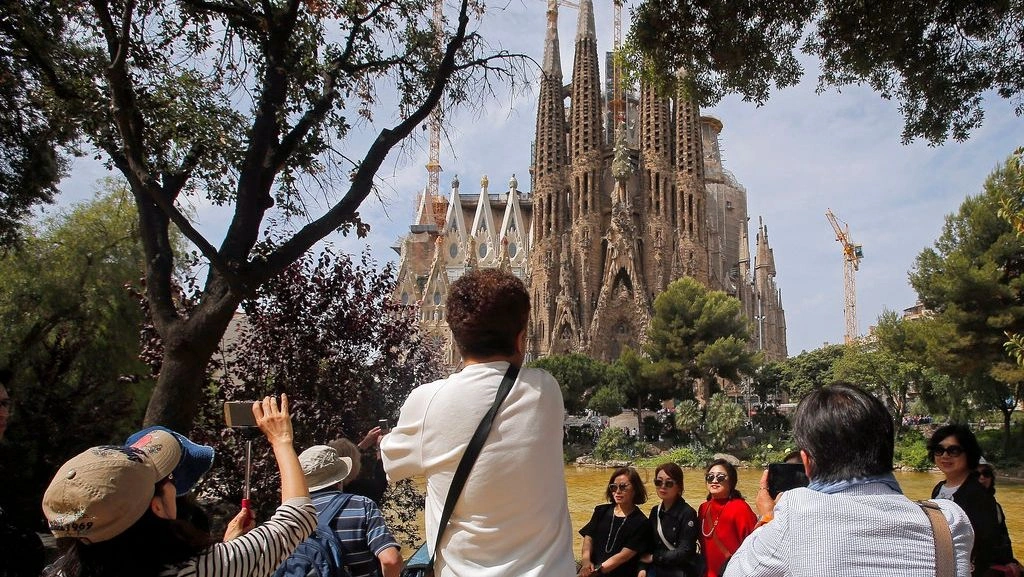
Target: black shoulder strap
{"x": 472, "y": 452}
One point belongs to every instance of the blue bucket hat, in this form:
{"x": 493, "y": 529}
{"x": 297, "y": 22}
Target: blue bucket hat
{"x": 195, "y": 461}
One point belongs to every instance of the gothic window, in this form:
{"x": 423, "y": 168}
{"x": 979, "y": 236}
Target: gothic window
{"x": 483, "y": 249}
{"x": 453, "y": 250}
{"x": 512, "y": 250}
{"x": 405, "y": 298}
{"x": 437, "y": 297}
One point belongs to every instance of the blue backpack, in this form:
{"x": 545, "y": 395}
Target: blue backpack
{"x": 320, "y": 555}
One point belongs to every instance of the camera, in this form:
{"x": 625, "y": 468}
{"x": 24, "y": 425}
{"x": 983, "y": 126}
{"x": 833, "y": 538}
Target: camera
{"x": 383, "y": 424}
{"x": 239, "y": 414}
{"x": 785, "y": 476}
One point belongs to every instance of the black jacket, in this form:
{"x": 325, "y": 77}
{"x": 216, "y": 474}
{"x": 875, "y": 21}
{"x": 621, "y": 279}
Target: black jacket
{"x": 980, "y": 507}
{"x": 680, "y": 526}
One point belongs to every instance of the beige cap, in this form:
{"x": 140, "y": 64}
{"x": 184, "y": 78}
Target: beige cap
{"x": 323, "y": 467}
{"x": 103, "y": 491}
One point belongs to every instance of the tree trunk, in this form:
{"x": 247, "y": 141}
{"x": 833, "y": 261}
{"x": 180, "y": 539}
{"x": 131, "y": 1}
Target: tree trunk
{"x": 188, "y": 348}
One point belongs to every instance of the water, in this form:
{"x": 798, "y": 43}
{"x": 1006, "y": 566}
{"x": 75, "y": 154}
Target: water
{"x": 586, "y": 488}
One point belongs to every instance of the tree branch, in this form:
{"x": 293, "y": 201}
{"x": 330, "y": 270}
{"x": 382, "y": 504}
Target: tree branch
{"x": 362, "y": 180}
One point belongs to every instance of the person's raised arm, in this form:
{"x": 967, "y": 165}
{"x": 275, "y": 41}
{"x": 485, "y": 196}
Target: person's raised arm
{"x": 276, "y": 424}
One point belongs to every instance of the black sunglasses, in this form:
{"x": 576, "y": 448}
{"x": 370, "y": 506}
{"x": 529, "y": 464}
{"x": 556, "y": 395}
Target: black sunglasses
{"x": 619, "y": 487}
{"x": 668, "y": 483}
{"x": 952, "y": 451}
{"x": 715, "y": 477}
{"x": 986, "y": 473}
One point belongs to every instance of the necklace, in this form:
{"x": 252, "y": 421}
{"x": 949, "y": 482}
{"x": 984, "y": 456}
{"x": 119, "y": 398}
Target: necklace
{"x": 714, "y": 526}
{"x": 609, "y": 546}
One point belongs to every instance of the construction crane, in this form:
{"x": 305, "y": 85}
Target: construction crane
{"x": 618, "y": 93}
{"x": 433, "y": 213}
{"x": 852, "y": 253}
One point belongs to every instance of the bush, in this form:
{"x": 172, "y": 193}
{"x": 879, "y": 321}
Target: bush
{"x": 615, "y": 444}
{"x": 689, "y": 456}
{"x": 912, "y": 451}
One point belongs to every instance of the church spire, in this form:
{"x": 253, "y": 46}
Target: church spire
{"x": 586, "y": 87}
{"x": 550, "y": 155}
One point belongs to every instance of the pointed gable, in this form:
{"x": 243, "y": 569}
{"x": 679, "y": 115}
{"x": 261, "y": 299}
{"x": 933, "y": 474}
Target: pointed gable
{"x": 483, "y": 230}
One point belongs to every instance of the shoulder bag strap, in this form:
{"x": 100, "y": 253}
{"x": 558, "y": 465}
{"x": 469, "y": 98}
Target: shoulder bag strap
{"x": 657, "y": 511}
{"x": 943, "y": 539}
{"x": 472, "y": 452}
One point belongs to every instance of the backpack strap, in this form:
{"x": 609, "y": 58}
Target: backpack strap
{"x": 334, "y": 506}
{"x": 944, "y": 562}
{"x": 472, "y": 452}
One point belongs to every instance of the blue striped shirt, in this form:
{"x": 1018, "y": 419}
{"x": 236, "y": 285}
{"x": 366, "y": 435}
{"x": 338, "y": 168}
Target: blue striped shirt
{"x": 360, "y": 528}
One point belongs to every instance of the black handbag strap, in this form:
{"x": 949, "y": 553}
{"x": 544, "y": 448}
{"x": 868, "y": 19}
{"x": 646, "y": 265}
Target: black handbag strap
{"x": 472, "y": 452}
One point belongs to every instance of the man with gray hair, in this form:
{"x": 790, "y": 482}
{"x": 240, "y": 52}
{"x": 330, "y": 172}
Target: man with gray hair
{"x": 853, "y": 519}
{"x": 369, "y": 548}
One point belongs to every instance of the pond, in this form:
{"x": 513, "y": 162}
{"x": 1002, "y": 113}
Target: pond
{"x": 586, "y": 487}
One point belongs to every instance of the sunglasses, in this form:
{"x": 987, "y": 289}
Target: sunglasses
{"x": 715, "y": 477}
{"x": 988, "y": 474}
{"x": 952, "y": 451}
{"x": 620, "y": 487}
{"x": 668, "y": 483}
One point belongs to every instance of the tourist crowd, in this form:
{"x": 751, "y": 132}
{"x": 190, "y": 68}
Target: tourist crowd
{"x": 487, "y": 442}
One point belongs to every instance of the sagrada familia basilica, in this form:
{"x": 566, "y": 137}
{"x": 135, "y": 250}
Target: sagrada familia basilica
{"x": 613, "y": 214}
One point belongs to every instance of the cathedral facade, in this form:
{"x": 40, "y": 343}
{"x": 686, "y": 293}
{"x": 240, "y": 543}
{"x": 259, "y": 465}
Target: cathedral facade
{"x": 619, "y": 206}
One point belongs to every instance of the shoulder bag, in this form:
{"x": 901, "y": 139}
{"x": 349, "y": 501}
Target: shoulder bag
{"x": 421, "y": 564}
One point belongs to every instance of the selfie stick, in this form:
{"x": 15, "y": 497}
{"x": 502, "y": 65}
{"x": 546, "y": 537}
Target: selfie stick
{"x": 248, "y": 472}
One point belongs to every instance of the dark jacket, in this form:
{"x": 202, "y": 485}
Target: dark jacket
{"x": 980, "y": 507}
{"x": 679, "y": 525}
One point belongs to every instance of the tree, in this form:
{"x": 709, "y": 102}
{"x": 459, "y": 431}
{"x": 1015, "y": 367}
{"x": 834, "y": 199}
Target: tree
{"x": 724, "y": 420}
{"x": 698, "y": 336}
{"x": 936, "y": 58}
{"x": 577, "y": 375}
{"x": 972, "y": 279}
{"x": 328, "y": 332}
{"x": 69, "y": 336}
{"x": 810, "y": 370}
{"x": 638, "y": 383}
{"x": 242, "y": 104}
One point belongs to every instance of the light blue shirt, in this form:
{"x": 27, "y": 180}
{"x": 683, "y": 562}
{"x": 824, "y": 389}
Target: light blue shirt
{"x": 866, "y": 530}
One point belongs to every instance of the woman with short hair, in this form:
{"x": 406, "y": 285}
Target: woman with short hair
{"x": 675, "y": 528}
{"x": 617, "y": 531}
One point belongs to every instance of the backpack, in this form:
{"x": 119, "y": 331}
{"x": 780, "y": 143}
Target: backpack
{"x": 320, "y": 555}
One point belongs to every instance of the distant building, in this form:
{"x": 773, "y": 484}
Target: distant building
{"x": 612, "y": 217}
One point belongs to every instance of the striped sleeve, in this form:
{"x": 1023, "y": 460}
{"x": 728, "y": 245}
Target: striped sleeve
{"x": 259, "y": 552}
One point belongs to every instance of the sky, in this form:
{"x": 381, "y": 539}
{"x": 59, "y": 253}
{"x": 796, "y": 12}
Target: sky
{"x": 798, "y": 155}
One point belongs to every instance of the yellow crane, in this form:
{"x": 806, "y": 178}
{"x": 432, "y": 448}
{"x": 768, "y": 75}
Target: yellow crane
{"x": 852, "y": 253}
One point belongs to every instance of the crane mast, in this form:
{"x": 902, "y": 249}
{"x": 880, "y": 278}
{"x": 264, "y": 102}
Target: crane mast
{"x": 852, "y": 253}
{"x": 433, "y": 191}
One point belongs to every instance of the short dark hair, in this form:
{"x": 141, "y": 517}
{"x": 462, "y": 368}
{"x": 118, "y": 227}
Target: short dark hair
{"x": 987, "y": 467}
{"x": 487, "y": 309}
{"x": 639, "y": 491}
{"x": 730, "y": 471}
{"x": 846, "y": 431}
{"x": 964, "y": 437}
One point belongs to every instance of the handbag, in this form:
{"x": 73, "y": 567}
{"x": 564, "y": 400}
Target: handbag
{"x": 421, "y": 564}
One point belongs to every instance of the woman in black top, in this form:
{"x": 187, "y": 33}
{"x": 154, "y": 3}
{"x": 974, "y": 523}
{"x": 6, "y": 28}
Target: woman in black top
{"x": 674, "y": 525}
{"x": 1003, "y": 555}
{"x": 955, "y": 451}
{"x": 618, "y": 531}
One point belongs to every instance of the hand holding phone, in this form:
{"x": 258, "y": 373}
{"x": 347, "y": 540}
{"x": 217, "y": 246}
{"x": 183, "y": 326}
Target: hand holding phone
{"x": 239, "y": 414}
{"x": 785, "y": 476}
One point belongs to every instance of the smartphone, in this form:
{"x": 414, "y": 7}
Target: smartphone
{"x": 785, "y": 476}
{"x": 239, "y": 414}
{"x": 383, "y": 424}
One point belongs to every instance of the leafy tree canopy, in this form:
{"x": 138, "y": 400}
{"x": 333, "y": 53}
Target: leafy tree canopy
{"x": 810, "y": 370}
{"x": 698, "y": 335}
{"x": 241, "y": 104}
{"x": 69, "y": 331}
{"x": 972, "y": 279}
{"x": 577, "y": 375}
{"x": 935, "y": 58}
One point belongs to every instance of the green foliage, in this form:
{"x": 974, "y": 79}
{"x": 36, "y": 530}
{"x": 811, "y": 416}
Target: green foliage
{"x": 911, "y": 451}
{"x": 330, "y": 334}
{"x": 697, "y": 336}
{"x": 725, "y": 420}
{"x": 972, "y": 279}
{"x": 688, "y": 416}
{"x": 577, "y": 375}
{"x": 69, "y": 329}
{"x": 607, "y": 401}
{"x": 810, "y": 370}
{"x": 615, "y": 444}
{"x": 686, "y": 456}
{"x": 936, "y": 58}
